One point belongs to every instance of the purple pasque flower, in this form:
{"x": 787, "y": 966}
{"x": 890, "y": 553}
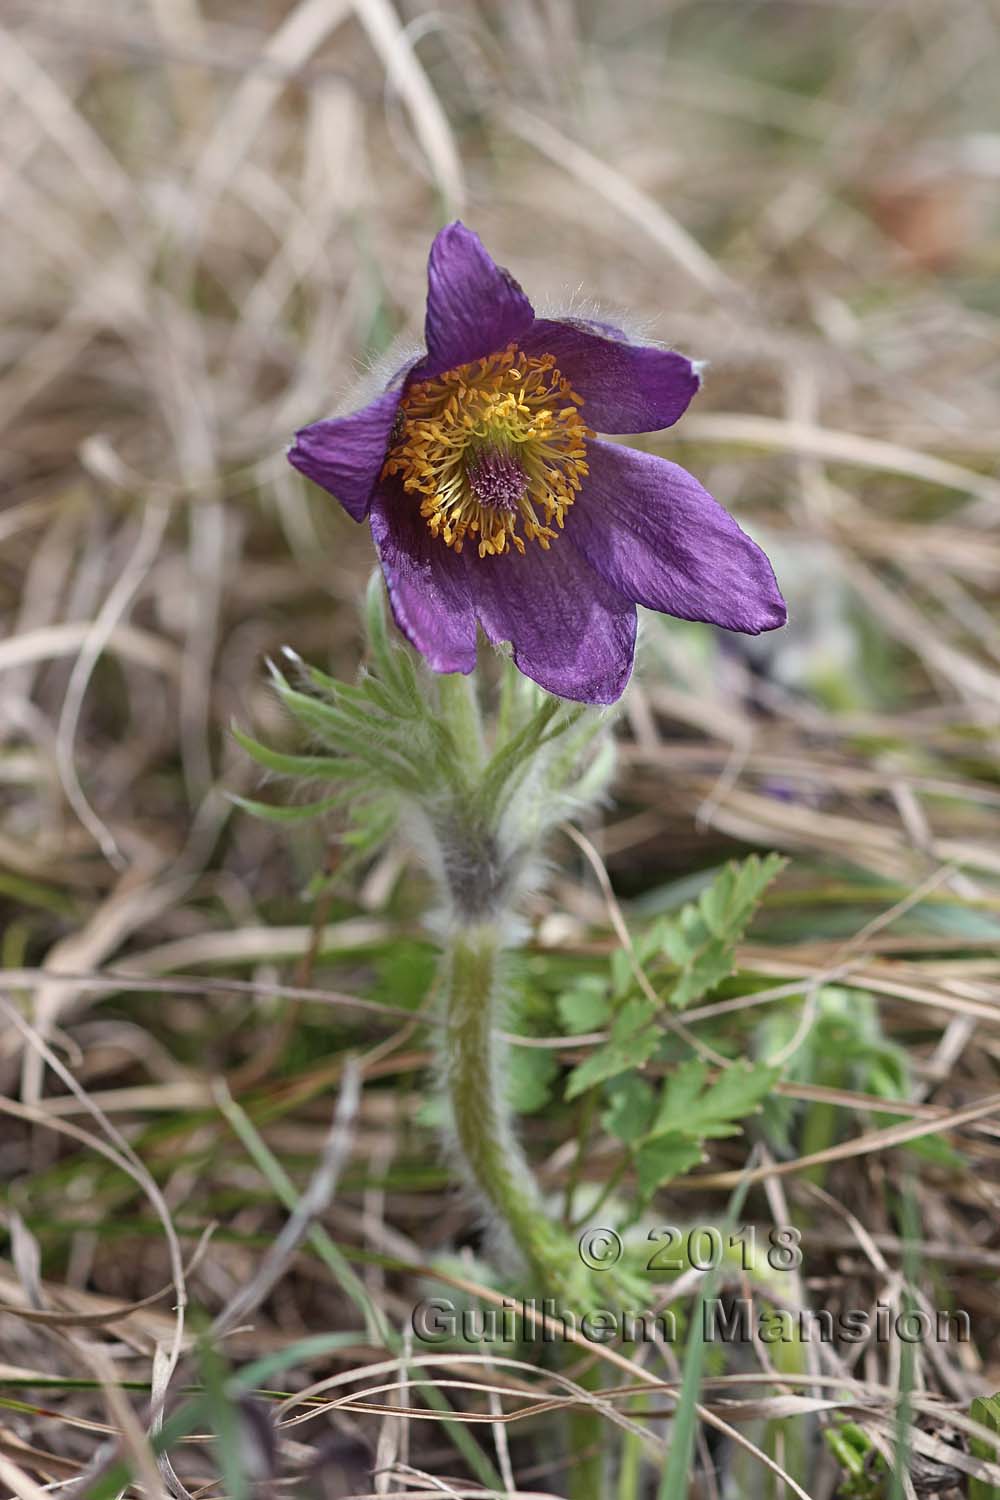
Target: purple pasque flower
{"x": 493, "y": 503}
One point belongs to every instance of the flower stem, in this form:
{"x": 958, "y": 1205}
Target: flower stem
{"x": 472, "y": 1054}
{"x": 494, "y": 1161}
{"x": 479, "y": 1112}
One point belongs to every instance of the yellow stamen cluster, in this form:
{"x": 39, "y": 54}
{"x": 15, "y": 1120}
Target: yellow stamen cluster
{"x": 495, "y": 448}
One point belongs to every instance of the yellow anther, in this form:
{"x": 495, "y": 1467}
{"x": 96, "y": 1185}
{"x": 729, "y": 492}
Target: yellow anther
{"x": 457, "y": 424}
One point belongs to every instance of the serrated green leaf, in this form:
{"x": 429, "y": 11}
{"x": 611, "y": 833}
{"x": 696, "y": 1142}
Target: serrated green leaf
{"x": 622, "y": 973}
{"x": 688, "y": 1107}
{"x": 630, "y": 1114}
{"x": 634, "y": 1016}
{"x": 731, "y": 900}
{"x": 530, "y": 1072}
{"x": 632, "y": 1042}
{"x": 585, "y": 1007}
{"x": 660, "y": 1160}
{"x": 673, "y": 940}
{"x": 701, "y": 939}
{"x": 736, "y": 1093}
{"x": 647, "y": 944}
{"x": 713, "y": 964}
{"x": 678, "y": 1095}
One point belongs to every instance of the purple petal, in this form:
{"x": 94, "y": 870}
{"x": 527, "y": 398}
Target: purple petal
{"x": 427, "y": 583}
{"x": 651, "y": 530}
{"x": 474, "y": 307}
{"x": 625, "y": 387}
{"x": 570, "y": 632}
{"x": 345, "y": 455}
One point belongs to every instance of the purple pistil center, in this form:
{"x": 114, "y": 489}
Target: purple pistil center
{"x": 497, "y": 480}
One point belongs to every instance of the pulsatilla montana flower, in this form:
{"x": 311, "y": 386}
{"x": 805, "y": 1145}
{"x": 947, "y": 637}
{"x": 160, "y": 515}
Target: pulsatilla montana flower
{"x": 493, "y": 503}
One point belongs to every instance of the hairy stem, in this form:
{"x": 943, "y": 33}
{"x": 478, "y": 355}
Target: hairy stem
{"x": 473, "y": 1068}
{"x": 481, "y": 888}
{"x": 493, "y": 1159}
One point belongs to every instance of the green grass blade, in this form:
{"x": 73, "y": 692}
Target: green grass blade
{"x": 378, "y": 1327}
{"x": 986, "y": 1410}
{"x": 674, "y": 1483}
{"x": 910, "y": 1215}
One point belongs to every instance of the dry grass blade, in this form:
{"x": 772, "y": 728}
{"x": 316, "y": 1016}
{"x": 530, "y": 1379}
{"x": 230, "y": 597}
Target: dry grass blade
{"x": 20, "y": 1483}
{"x": 874, "y": 1140}
{"x": 623, "y": 197}
{"x": 48, "y": 1465}
{"x": 53, "y": 641}
{"x": 404, "y": 73}
{"x": 81, "y": 1320}
{"x": 839, "y": 447}
{"x": 310, "y": 1206}
{"x": 154, "y": 525}
{"x": 123, "y": 1155}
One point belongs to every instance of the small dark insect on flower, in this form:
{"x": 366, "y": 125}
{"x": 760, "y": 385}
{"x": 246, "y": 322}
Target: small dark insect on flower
{"x": 492, "y": 501}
